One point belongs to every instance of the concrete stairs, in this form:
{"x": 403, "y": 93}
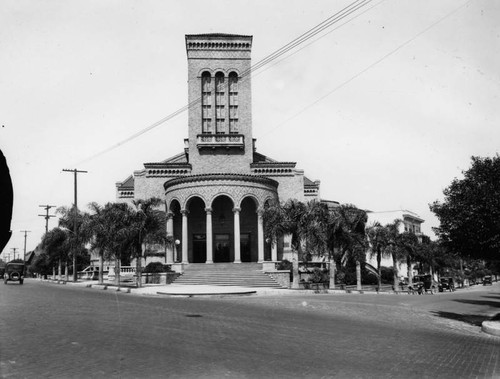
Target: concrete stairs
{"x": 226, "y": 274}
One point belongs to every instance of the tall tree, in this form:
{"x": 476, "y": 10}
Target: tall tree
{"x": 108, "y": 226}
{"x": 71, "y": 221}
{"x": 470, "y": 214}
{"x": 148, "y": 226}
{"x": 378, "y": 237}
{"x": 56, "y": 244}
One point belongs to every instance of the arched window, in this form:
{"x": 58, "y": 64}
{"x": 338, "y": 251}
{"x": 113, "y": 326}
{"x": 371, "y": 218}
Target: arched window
{"x": 220, "y": 104}
{"x": 206, "y": 102}
{"x": 233, "y": 102}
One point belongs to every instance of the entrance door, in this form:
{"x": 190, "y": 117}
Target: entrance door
{"x": 199, "y": 248}
{"x": 221, "y": 248}
{"x": 245, "y": 247}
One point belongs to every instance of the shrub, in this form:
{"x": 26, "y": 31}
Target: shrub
{"x": 284, "y": 265}
{"x": 156, "y": 267}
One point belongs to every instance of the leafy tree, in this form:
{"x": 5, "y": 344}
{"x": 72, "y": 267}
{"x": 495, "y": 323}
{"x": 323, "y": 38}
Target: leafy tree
{"x": 148, "y": 225}
{"x": 410, "y": 248}
{"x": 337, "y": 233}
{"x": 56, "y": 244}
{"x": 108, "y": 228}
{"x": 470, "y": 214}
{"x": 378, "y": 240}
{"x": 75, "y": 221}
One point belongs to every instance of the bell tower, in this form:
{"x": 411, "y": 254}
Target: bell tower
{"x": 220, "y": 103}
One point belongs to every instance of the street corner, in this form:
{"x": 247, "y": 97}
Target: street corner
{"x": 492, "y": 327}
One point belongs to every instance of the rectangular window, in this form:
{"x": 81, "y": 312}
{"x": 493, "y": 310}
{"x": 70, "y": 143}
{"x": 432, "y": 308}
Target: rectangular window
{"x": 221, "y": 126}
{"x": 233, "y": 111}
{"x": 233, "y": 126}
{"x": 207, "y": 126}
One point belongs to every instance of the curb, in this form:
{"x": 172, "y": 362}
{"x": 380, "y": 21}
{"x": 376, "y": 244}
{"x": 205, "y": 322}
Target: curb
{"x": 491, "y": 327}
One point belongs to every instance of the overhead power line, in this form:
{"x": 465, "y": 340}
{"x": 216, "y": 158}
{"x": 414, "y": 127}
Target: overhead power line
{"x": 322, "y": 26}
{"x": 367, "y": 68}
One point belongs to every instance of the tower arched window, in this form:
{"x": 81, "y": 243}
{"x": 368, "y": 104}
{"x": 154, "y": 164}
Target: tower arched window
{"x": 206, "y": 103}
{"x": 233, "y": 102}
{"x": 220, "y": 104}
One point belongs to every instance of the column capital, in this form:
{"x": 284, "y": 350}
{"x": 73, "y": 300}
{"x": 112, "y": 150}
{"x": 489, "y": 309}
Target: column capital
{"x": 184, "y": 212}
{"x": 260, "y": 211}
{"x": 236, "y": 209}
{"x": 208, "y": 210}
{"x": 170, "y": 215}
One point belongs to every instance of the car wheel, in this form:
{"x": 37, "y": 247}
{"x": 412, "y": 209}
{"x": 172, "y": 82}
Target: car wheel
{"x": 21, "y": 281}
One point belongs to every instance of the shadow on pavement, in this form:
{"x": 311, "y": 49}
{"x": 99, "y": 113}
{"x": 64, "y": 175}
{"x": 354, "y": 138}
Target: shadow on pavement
{"x": 475, "y": 320}
{"x": 489, "y": 303}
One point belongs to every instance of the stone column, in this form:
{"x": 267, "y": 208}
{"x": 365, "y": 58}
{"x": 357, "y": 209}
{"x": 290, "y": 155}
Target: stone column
{"x": 170, "y": 233}
{"x": 260, "y": 236}
{"x": 209, "y": 239}
{"x": 237, "y": 243}
{"x": 185, "y": 258}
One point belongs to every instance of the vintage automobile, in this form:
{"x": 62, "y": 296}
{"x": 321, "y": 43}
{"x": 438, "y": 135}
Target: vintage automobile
{"x": 487, "y": 280}
{"x": 14, "y": 272}
{"x": 446, "y": 283}
{"x": 422, "y": 284}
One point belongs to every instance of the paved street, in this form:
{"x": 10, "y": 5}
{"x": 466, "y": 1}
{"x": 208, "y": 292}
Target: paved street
{"x": 63, "y": 331}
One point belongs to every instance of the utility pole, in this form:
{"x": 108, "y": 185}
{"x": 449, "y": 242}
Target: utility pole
{"x": 25, "y": 235}
{"x": 75, "y": 228}
{"x": 14, "y": 250}
{"x": 47, "y": 216}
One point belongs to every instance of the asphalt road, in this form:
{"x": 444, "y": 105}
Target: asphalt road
{"x": 62, "y": 331}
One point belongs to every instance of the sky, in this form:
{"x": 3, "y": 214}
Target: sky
{"x": 385, "y": 108}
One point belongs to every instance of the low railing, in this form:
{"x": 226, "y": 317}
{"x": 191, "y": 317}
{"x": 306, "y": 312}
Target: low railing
{"x": 220, "y": 140}
{"x": 127, "y": 273}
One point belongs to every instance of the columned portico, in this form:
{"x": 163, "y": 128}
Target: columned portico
{"x": 185, "y": 242}
{"x": 237, "y": 240}
{"x": 260, "y": 235}
{"x": 209, "y": 238}
{"x": 170, "y": 235}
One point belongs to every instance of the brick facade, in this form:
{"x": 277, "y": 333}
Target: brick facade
{"x": 216, "y": 188}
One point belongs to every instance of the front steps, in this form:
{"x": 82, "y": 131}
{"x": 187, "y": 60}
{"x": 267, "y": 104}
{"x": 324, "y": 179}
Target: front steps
{"x": 226, "y": 274}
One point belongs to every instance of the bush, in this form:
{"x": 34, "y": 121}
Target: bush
{"x": 156, "y": 267}
{"x": 284, "y": 265}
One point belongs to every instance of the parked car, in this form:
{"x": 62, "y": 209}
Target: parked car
{"x": 446, "y": 283}
{"x": 14, "y": 272}
{"x": 487, "y": 280}
{"x": 422, "y": 284}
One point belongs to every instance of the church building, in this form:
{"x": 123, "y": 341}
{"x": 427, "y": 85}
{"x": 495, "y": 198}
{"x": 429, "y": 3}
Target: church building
{"x": 215, "y": 189}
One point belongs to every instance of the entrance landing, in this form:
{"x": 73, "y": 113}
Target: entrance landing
{"x": 226, "y": 274}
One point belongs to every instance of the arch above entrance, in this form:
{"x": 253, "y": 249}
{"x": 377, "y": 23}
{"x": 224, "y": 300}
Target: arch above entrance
{"x": 209, "y": 186}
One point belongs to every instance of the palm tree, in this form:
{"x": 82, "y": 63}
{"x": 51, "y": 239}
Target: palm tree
{"x": 393, "y": 248}
{"x": 108, "y": 227}
{"x": 347, "y": 228}
{"x": 148, "y": 225}
{"x": 73, "y": 221}
{"x": 409, "y": 248}
{"x": 303, "y": 222}
{"x": 378, "y": 239}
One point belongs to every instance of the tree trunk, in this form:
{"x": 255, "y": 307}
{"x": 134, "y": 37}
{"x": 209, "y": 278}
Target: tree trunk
{"x": 332, "y": 273}
{"x": 101, "y": 267}
{"x": 66, "y": 271}
{"x": 395, "y": 271}
{"x": 295, "y": 269}
{"x": 358, "y": 276}
{"x": 53, "y": 273}
{"x": 138, "y": 266}
{"x": 59, "y": 269}
{"x": 408, "y": 269}
{"x": 379, "y": 269}
{"x": 117, "y": 271}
